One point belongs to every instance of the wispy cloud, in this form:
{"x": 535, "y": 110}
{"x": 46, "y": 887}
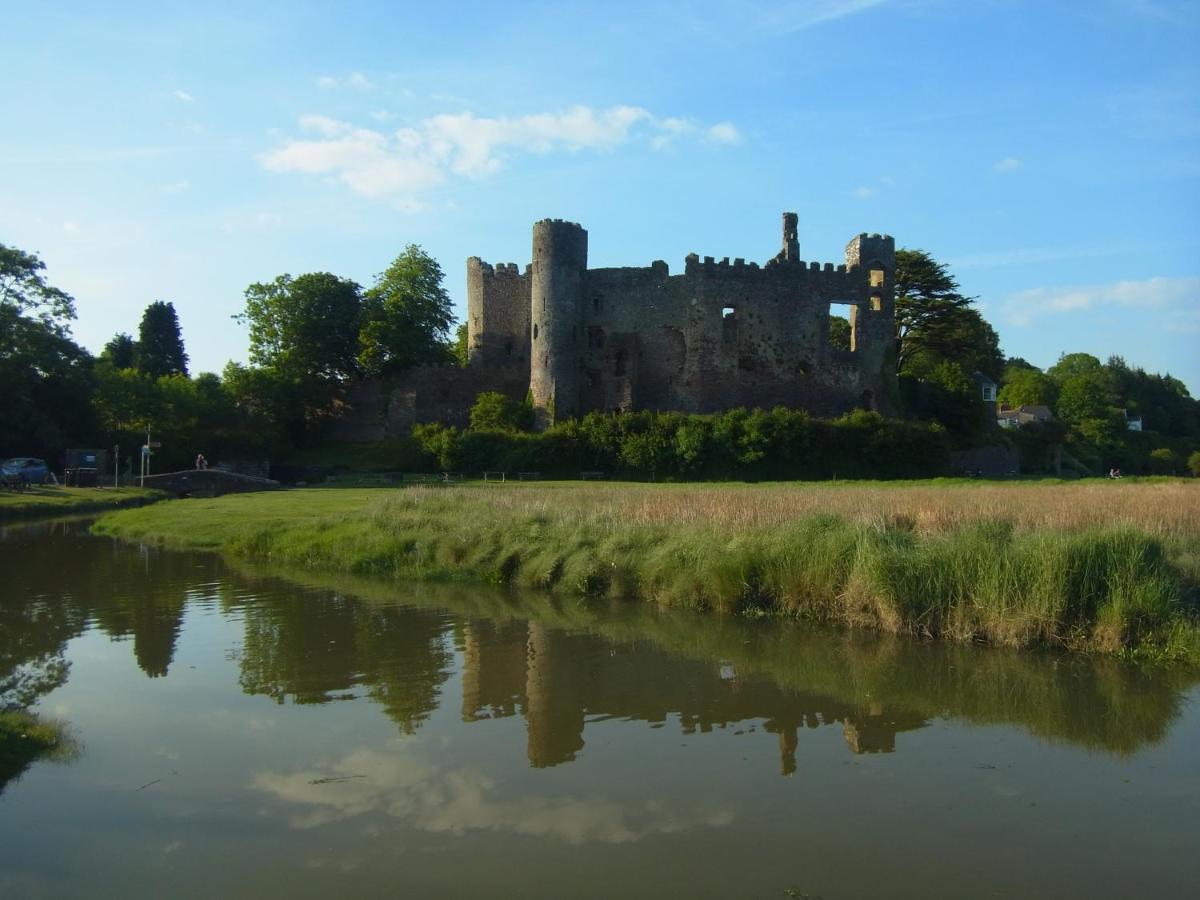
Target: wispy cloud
{"x": 356, "y": 80}
{"x": 800, "y": 14}
{"x": 183, "y": 95}
{"x": 862, "y": 192}
{"x": 1025, "y": 307}
{"x": 176, "y": 187}
{"x": 1008, "y": 164}
{"x": 410, "y": 160}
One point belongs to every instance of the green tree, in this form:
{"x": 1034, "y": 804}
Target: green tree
{"x": 45, "y": 377}
{"x": 1164, "y": 461}
{"x": 24, "y": 292}
{"x": 1193, "y": 463}
{"x": 160, "y": 343}
{"x": 1088, "y": 395}
{"x": 305, "y": 328}
{"x": 492, "y": 411}
{"x": 1027, "y": 387}
{"x": 1070, "y": 364}
{"x": 407, "y": 316}
{"x": 839, "y": 333}
{"x": 120, "y": 352}
{"x": 928, "y": 308}
{"x": 459, "y": 348}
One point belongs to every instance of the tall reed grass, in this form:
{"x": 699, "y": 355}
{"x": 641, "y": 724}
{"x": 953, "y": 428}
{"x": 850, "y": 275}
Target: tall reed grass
{"x": 1112, "y": 568}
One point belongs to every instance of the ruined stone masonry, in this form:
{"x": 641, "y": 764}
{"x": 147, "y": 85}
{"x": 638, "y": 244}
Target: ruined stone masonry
{"x": 720, "y": 335}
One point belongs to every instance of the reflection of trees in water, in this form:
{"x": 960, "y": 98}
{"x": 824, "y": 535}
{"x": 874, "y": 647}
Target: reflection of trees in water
{"x": 61, "y": 579}
{"x": 316, "y": 646}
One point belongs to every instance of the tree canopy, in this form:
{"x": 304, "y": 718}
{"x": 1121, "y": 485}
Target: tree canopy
{"x": 25, "y": 292}
{"x": 120, "y": 352}
{"x": 406, "y": 317}
{"x": 934, "y": 318}
{"x": 305, "y": 327}
{"x": 44, "y": 375}
{"x": 160, "y": 343}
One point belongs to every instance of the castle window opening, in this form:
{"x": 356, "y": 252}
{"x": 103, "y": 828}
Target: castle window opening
{"x": 508, "y": 348}
{"x": 876, "y": 302}
{"x": 535, "y": 331}
{"x": 619, "y": 366}
{"x": 595, "y": 337}
{"x": 729, "y": 325}
{"x": 877, "y": 276}
{"x": 596, "y": 302}
{"x": 841, "y": 332}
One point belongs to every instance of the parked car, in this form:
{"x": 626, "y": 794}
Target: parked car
{"x": 27, "y": 469}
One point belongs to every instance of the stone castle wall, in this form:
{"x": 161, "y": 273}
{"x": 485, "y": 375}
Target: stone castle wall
{"x": 718, "y": 335}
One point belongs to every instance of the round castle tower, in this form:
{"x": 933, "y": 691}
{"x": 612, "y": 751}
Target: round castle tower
{"x": 559, "y": 273}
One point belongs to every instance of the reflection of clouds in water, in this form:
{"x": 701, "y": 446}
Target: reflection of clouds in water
{"x": 462, "y": 800}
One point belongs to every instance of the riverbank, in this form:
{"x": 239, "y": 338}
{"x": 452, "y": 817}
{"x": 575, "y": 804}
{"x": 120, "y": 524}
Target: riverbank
{"x": 26, "y": 738}
{"x": 56, "y": 500}
{"x": 1110, "y": 567}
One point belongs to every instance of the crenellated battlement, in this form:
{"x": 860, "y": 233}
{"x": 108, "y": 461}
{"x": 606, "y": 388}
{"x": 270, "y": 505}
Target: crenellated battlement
{"x": 563, "y": 223}
{"x": 499, "y": 270}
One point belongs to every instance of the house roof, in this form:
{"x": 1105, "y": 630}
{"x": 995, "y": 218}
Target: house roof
{"x": 1034, "y": 412}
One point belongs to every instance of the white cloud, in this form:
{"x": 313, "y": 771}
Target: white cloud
{"x": 409, "y": 160}
{"x": 70, "y": 228}
{"x": 1023, "y": 307}
{"x": 724, "y": 133}
{"x": 463, "y": 800}
{"x": 1008, "y": 164}
{"x": 183, "y": 95}
{"x": 176, "y": 187}
{"x": 326, "y": 82}
{"x": 862, "y": 192}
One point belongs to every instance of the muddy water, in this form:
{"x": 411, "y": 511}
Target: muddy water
{"x": 242, "y": 735}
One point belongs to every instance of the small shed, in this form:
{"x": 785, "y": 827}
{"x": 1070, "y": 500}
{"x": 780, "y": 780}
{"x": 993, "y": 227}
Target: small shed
{"x": 85, "y": 468}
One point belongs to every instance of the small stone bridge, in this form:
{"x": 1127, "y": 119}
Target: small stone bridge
{"x": 208, "y": 483}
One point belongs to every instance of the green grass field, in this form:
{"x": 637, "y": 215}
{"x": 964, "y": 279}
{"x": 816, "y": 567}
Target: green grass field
{"x": 58, "y": 500}
{"x": 1101, "y": 566}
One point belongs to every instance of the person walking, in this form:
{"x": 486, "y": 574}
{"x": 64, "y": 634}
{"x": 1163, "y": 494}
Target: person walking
{"x": 201, "y": 462}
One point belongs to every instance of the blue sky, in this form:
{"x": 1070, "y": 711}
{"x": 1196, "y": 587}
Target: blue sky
{"x": 1049, "y": 152}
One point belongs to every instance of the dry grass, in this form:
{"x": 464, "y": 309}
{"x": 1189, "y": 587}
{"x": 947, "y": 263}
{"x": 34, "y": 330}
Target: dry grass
{"x": 1158, "y": 508}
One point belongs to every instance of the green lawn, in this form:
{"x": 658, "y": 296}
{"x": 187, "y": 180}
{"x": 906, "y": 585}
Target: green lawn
{"x": 55, "y": 499}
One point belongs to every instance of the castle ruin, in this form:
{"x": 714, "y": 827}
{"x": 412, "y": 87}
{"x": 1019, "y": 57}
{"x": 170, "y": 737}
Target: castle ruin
{"x": 720, "y": 335}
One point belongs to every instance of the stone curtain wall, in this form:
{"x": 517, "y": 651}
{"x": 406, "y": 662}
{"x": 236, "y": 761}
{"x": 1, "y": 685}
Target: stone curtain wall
{"x": 720, "y": 335}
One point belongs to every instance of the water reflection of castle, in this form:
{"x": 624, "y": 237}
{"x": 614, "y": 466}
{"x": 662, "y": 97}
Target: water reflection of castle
{"x": 560, "y": 682}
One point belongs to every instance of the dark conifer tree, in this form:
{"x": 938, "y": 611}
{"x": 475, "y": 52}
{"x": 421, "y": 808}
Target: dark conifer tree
{"x": 121, "y": 351}
{"x": 160, "y": 344}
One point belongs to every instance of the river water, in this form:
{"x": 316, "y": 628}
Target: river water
{"x": 241, "y": 734}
